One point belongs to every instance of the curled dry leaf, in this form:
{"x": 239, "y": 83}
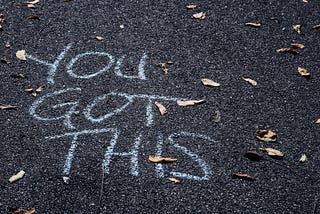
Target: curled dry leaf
{"x": 303, "y": 158}
{"x": 272, "y": 152}
{"x": 161, "y": 108}
{"x": 209, "y": 82}
{"x": 297, "y": 45}
{"x": 40, "y": 89}
{"x": 303, "y": 72}
{"x": 157, "y": 159}
{"x": 7, "y": 45}
{"x": 33, "y": 16}
{"x": 31, "y": 4}
{"x": 200, "y": 15}
{"x": 297, "y": 28}
{"x": 99, "y": 38}
{"x": 242, "y": 176}
{"x": 252, "y": 155}
{"x": 16, "y": 177}
{"x": 305, "y": 1}
{"x": 190, "y": 102}
{"x": 288, "y": 50}
{"x": 191, "y": 6}
{"x": 316, "y": 26}
{"x": 216, "y": 117}
{"x": 249, "y": 80}
{"x": 266, "y": 135}
{"x": 21, "y": 54}
{"x": 174, "y": 180}
{"x": 317, "y": 121}
{"x": 251, "y": 24}
{"x": 21, "y": 211}
{"x": 5, "y": 107}
{"x": 28, "y": 90}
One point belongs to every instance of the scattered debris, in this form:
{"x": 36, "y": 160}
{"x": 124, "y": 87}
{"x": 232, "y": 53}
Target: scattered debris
{"x": 209, "y": 82}
{"x": 191, "y": 6}
{"x": 161, "y": 108}
{"x": 317, "y": 121}
{"x": 174, "y": 180}
{"x": 297, "y": 28}
{"x": 21, "y": 211}
{"x": 242, "y": 176}
{"x": 288, "y": 50}
{"x": 157, "y": 159}
{"x": 303, "y": 158}
{"x": 66, "y": 180}
{"x": 7, "y": 45}
{"x": 34, "y": 92}
{"x": 31, "y": 4}
{"x": 216, "y": 117}
{"x": 16, "y": 177}
{"x": 305, "y": 1}
{"x": 5, "y": 107}
{"x": 316, "y": 26}
{"x": 249, "y": 80}
{"x": 5, "y": 61}
{"x": 99, "y": 38}
{"x": 272, "y": 152}
{"x": 303, "y": 72}
{"x": 164, "y": 66}
{"x": 21, "y": 54}
{"x": 251, "y": 24}
{"x": 297, "y": 45}
{"x": 22, "y": 76}
{"x": 200, "y": 15}
{"x": 121, "y": 26}
{"x": 191, "y": 102}
{"x": 2, "y": 19}
{"x": 33, "y": 16}
{"x": 252, "y": 155}
{"x": 266, "y": 135}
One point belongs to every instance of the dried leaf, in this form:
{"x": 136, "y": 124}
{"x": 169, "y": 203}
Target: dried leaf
{"x": 252, "y": 155}
{"x": 297, "y": 28}
{"x": 21, "y": 54}
{"x": 33, "y": 16}
{"x": 5, "y": 61}
{"x": 303, "y": 72}
{"x": 164, "y": 67}
{"x": 316, "y": 26}
{"x": 190, "y": 102}
{"x": 156, "y": 159}
{"x": 216, "y": 117}
{"x": 39, "y": 89}
{"x": 66, "y": 180}
{"x": 161, "y": 108}
{"x": 2, "y": 19}
{"x": 7, "y": 45}
{"x": 4, "y": 107}
{"x": 305, "y": 1}
{"x": 28, "y": 90}
{"x": 174, "y": 180}
{"x": 317, "y": 121}
{"x": 31, "y": 4}
{"x": 99, "y": 38}
{"x": 272, "y": 152}
{"x": 242, "y": 176}
{"x": 303, "y": 158}
{"x": 191, "y": 6}
{"x": 297, "y": 45}
{"x": 34, "y": 94}
{"x": 16, "y": 177}
{"x": 249, "y": 80}
{"x": 200, "y": 15}
{"x": 209, "y": 82}
{"x": 21, "y": 211}
{"x": 266, "y": 135}
{"x": 251, "y": 24}
{"x": 288, "y": 50}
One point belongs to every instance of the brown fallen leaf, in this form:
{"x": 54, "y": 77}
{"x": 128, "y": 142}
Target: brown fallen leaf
{"x": 200, "y": 15}
{"x": 272, "y": 152}
{"x": 252, "y": 155}
{"x": 209, "y": 82}
{"x": 31, "y": 4}
{"x": 99, "y": 38}
{"x": 161, "y": 108}
{"x": 317, "y": 121}
{"x": 39, "y": 89}
{"x": 266, "y": 135}
{"x": 156, "y": 159}
{"x": 21, "y": 54}
{"x": 21, "y": 211}
{"x": 5, "y": 61}
{"x": 5, "y": 107}
{"x": 251, "y": 24}
{"x": 288, "y": 50}
{"x": 316, "y": 26}
{"x": 191, "y": 6}
{"x": 28, "y": 90}
{"x": 216, "y": 117}
{"x": 242, "y": 176}
{"x": 16, "y": 177}
{"x": 297, "y": 45}
{"x": 7, "y": 45}
{"x": 303, "y": 72}
{"x": 33, "y": 16}
{"x": 297, "y": 28}
{"x": 191, "y": 102}
{"x": 164, "y": 66}
{"x": 174, "y": 180}
{"x": 249, "y": 80}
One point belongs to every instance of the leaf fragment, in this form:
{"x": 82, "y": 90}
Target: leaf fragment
{"x": 33, "y": 16}
{"x": 272, "y": 152}
{"x": 39, "y": 89}
{"x": 303, "y": 158}
{"x": 28, "y": 90}
{"x": 209, "y": 82}
{"x": 266, "y": 135}
{"x": 21, "y": 54}
{"x": 21, "y": 211}
{"x": 31, "y": 4}
{"x": 16, "y": 177}
{"x": 99, "y": 38}
{"x": 297, "y": 28}
{"x": 5, "y": 107}
{"x": 191, "y": 102}
{"x": 161, "y": 108}
{"x": 288, "y": 50}
{"x": 316, "y": 26}
{"x": 191, "y": 6}
{"x": 317, "y": 121}
{"x": 7, "y": 45}
{"x": 305, "y": 1}
{"x": 252, "y": 155}
{"x": 5, "y": 61}
{"x": 249, "y": 80}
{"x": 174, "y": 180}
{"x": 252, "y": 24}
{"x": 216, "y": 117}
{"x": 303, "y": 72}
{"x": 157, "y": 159}
{"x": 297, "y": 45}
{"x": 200, "y": 15}
{"x": 242, "y": 176}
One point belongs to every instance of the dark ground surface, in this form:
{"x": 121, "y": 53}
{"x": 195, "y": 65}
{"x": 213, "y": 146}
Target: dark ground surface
{"x": 219, "y": 47}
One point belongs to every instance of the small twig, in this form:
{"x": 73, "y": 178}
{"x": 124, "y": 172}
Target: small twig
{"x": 101, "y": 188}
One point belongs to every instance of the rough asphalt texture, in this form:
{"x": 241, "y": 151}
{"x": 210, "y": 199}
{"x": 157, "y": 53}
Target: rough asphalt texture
{"x": 219, "y": 47}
